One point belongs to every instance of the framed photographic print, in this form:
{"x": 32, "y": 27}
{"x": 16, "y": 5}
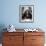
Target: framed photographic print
{"x": 26, "y": 13}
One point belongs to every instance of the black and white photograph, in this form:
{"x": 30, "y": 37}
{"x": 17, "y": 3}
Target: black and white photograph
{"x": 26, "y": 13}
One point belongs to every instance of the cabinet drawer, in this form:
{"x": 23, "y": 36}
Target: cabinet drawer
{"x": 34, "y": 33}
{"x": 13, "y": 33}
{"x": 13, "y": 44}
{"x": 37, "y": 44}
{"x": 12, "y": 39}
{"x": 37, "y": 39}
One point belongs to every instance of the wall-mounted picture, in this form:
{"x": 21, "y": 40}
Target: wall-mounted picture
{"x": 26, "y": 13}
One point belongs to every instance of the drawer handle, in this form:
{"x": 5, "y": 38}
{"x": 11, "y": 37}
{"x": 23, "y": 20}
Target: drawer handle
{"x": 11, "y": 38}
{"x": 33, "y": 39}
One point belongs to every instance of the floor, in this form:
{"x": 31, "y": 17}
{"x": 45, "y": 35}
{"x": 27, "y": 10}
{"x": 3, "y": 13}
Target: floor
{"x": 0, "y": 44}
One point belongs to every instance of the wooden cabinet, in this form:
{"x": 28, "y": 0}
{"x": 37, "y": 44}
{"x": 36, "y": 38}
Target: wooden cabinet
{"x": 23, "y": 39}
{"x": 12, "y": 39}
{"x": 34, "y": 39}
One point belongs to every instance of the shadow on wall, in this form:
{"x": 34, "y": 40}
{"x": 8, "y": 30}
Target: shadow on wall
{"x": 2, "y": 26}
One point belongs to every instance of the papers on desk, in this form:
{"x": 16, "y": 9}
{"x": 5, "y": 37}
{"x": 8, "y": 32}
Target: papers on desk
{"x": 11, "y": 28}
{"x": 26, "y": 30}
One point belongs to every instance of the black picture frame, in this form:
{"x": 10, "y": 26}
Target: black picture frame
{"x": 26, "y": 13}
